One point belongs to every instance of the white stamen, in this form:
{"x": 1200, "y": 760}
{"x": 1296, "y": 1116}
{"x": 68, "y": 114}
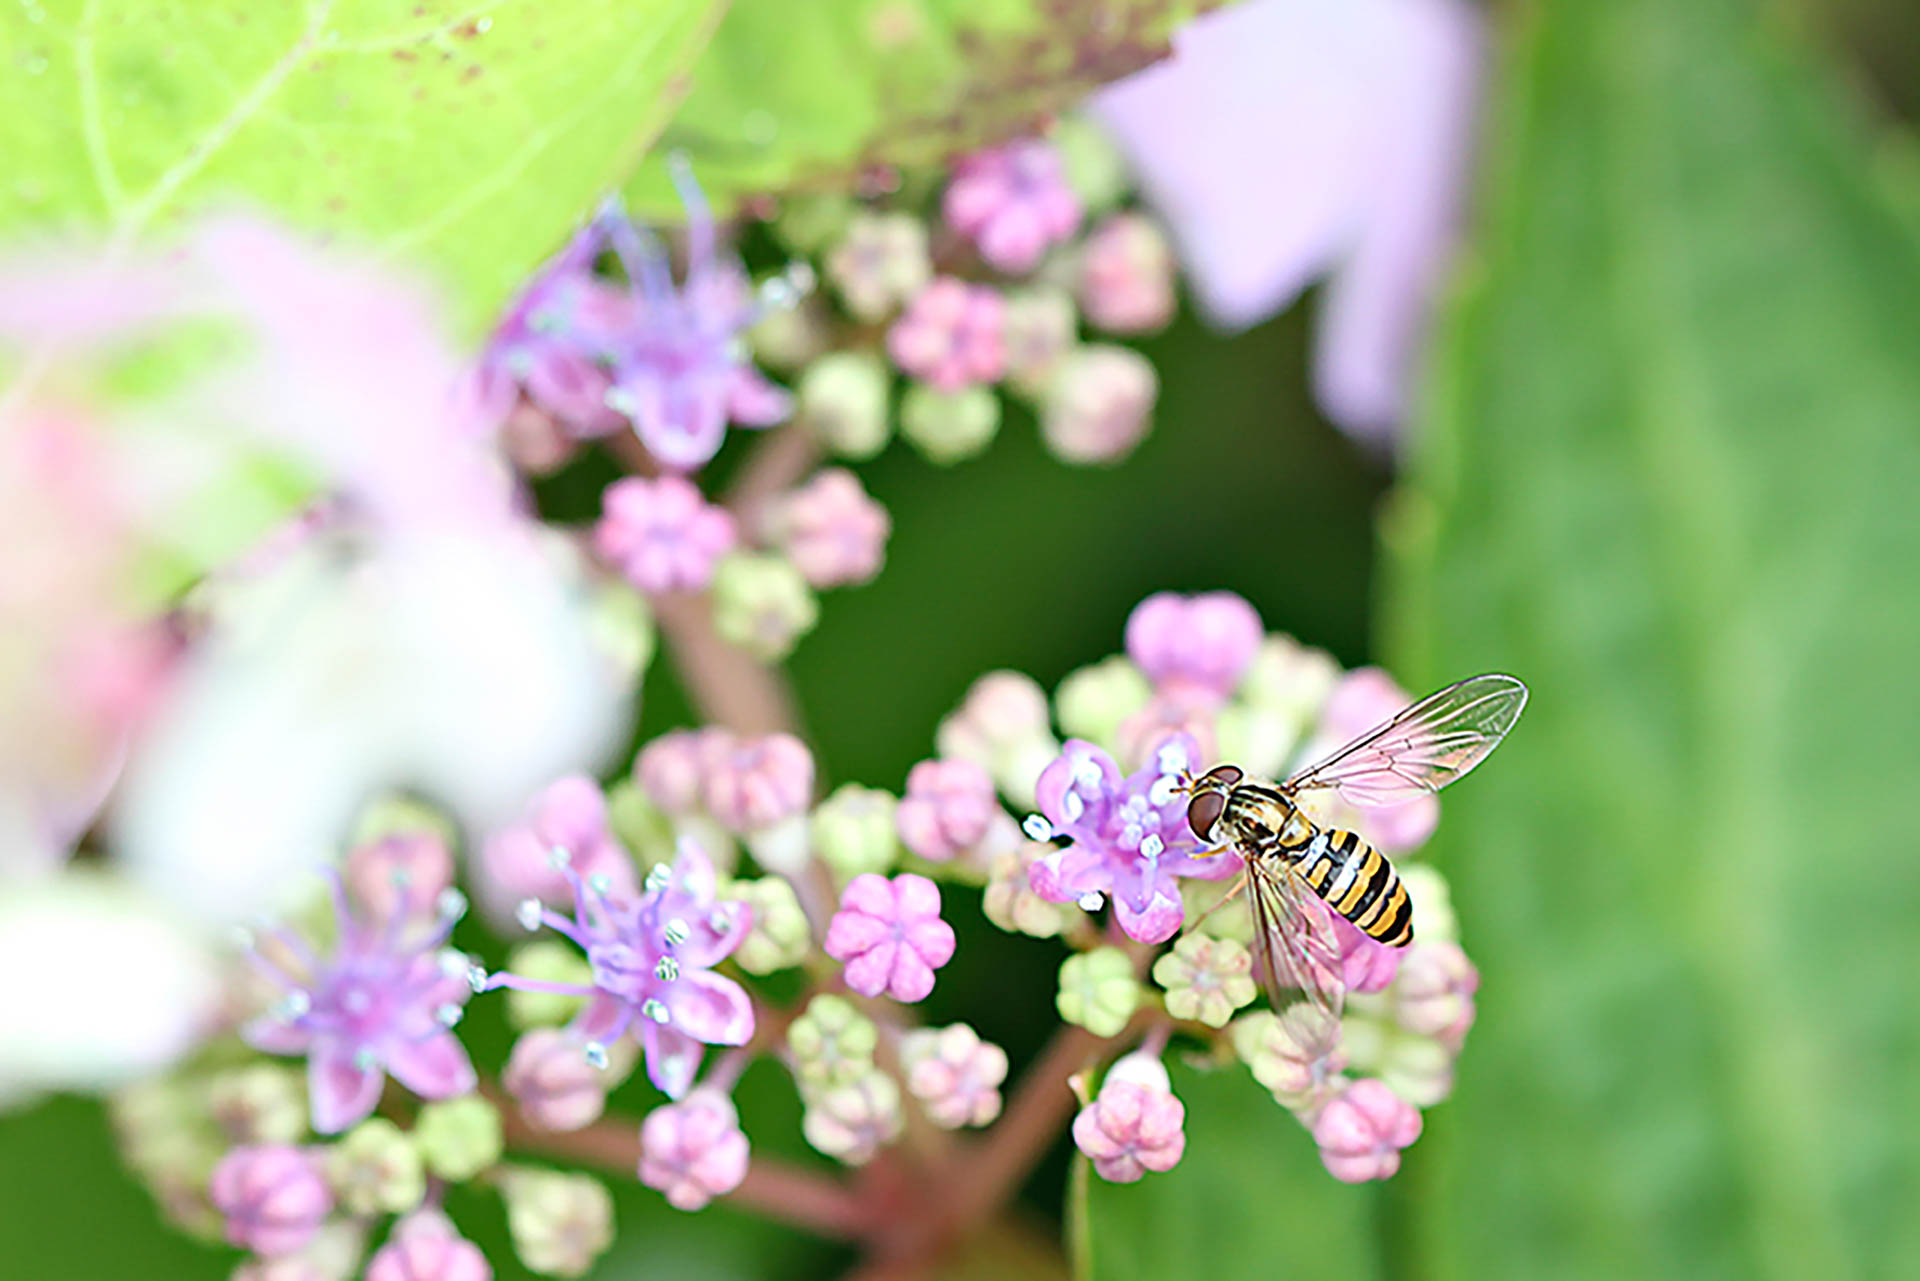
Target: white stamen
{"x": 1164, "y": 789}
{"x": 658, "y": 877}
{"x": 1087, "y": 774}
{"x": 1074, "y": 806}
{"x": 448, "y": 1014}
{"x": 558, "y": 857}
{"x": 654, "y": 1009}
{"x": 719, "y": 920}
{"x": 600, "y": 883}
{"x": 666, "y": 969}
{"x": 1091, "y": 901}
{"x": 596, "y": 1054}
{"x": 477, "y": 978}
{"x": 1172, "y": 758}
{"x": 1153, "y": 847}
{"x": 454, "y": 964}
{"x": 366, "y": 1060}
{"x": 1037, "y": 828}
{"x": 400, "y": 878}
{"x": 451, "y": 904}
{"x": 677, "y": 932}
{"x": 528, "y": 914}
{"x": 292, "y": 1006}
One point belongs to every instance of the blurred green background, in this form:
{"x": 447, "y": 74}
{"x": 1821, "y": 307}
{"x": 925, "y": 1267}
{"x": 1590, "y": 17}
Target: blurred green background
{"x": 1665, "y": 470}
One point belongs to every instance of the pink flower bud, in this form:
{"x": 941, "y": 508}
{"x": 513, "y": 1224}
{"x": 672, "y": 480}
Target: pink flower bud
{"x": 273, "y": 1198}
{"x": 425, "y": 1248}
{"x": 669, "y": 770}
{"x": 955, "y": 1075}
{"x": 399, "y": 874}
{"x": 693, "y": 1151}
{"x": 1013, "y": 202}
{"x": 1126, "y": 275}
{"x": 1434, "y": 993}
{"x": 556, "y": 1085}
{"x": 947, "y": 808}
{"x": 1366, "y": 965}
{"x": 1206, "y": 641}
{"x": 1098, "y": 404}
{"x": 749, "y": 784}
{"x": 569, "y": 816}
{"x": 890, "y": 935}
{"x": 1362, "y": 1132}
{"x": 832, "y": 532}
{"x": 952, "y": 335}
{"x": 1134, "y": 1125}
{"x": 661, "y": 534}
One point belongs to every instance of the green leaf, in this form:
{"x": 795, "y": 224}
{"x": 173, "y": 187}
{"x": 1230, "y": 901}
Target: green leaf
{"x": 1668, "y": 477}
{"x": 470, "y": 136}
{"x": 809, "y": 96}
{"x": 1248, "y": 1199}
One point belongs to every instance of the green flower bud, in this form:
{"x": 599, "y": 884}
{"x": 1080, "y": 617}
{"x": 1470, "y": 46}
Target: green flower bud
{"x": 458, "y": 1138}
{"x": 789, "y": 338}
{"x": 842, "y": 397}
{"x": 780, "y": 937}
{"x": 1010, "y": 902}
{"x": 1092, "y": 165}
{"x": 560, "y": 1223}
{"x": 853, "y": 831}
{"x": 400, "y": 815}
{"x": 762, "y": 604}
{"x": 1093, "y": 701}
{"x": 262, "y": 1103}
{"x": 640, "y": 825}
{"x": 1290, "y": 681}
{"x": 852, "y": 1122}
{"x": 376, "y": 1169}
{"x": 808, "y": 224}
{"x": 621, "y": 626}
{"x": 552, "y": 961}
{"x": 1417, "y": 1068}
{"x": 832, "y": 1044}
{"x": 1206, "y": 978}
{"x": 949, "y": 426}
{"x": 1098, "y": 991}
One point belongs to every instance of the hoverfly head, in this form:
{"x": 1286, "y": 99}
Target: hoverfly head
{"x": 1209, "y": 793}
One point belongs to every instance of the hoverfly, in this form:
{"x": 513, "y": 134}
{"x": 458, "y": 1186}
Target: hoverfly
{"x": 1298, "y": 874}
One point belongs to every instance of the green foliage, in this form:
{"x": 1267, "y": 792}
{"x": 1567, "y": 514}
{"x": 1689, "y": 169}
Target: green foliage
{"x": 1249, "y": 1199}
{"x": 468, "y": 135}
{"x": 808, "y": 96}
{"x": 1668, "y": 477}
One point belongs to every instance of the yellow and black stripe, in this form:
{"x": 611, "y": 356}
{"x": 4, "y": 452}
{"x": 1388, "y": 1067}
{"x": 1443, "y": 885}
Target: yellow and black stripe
{"x": 1356, "y": 881}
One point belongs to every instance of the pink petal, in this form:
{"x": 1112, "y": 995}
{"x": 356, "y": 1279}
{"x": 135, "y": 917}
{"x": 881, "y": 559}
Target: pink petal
{"x": 911, "y": 978}
{"x": 672, "y": 1058}
{"x": 871, "y": 971}
{"x": 273, "y": 1035}
{"x": 932, "y": 941}
{"x": 433, "y": 1067}
{"x": 710, "y": 1008}
{"x": 1157, "y": 922}
{"x": 339, "y": 1093}
{"x": 915, "y": 897}
{"x": 869, "y": 893}
{"x": 851, "y": 933}
{"x": 752, "y": 401}
{"x": 604, "y": 1018}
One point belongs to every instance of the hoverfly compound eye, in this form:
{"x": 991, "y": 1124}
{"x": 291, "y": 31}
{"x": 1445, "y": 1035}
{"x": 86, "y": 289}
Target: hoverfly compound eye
{"x": 1224, "y": 775}
{"x": 1203, "y": 811}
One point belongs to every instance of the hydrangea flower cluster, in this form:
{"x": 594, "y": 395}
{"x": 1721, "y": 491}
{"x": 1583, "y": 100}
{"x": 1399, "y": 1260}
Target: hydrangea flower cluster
{"x": 722, "y": 905}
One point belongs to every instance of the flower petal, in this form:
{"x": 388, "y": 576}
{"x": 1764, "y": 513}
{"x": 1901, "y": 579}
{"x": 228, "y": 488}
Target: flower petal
{"x": 672, "y": 1058}
{"x": 433, "y": 1067}
{"x": 339, "y": 1092}
{"x": 710, "y": 1008}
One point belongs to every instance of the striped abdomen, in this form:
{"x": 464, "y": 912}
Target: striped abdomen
{"x": 1357, "y": 881}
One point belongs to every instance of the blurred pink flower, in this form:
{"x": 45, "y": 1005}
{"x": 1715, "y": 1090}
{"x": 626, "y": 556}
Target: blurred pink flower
{"x": 1013, "y": 202}
{"x": 693, "y": 1151}
{"x": 1362, "y": 1132}
{"x": 831, "y": 530}
{"x": 952, "y": 335}
{"x": 1288, "y": 140}
{"x": 662, "y": 534}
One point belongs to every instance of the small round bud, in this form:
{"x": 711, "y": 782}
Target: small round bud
{"x": 1432, "y": 994}
{"x": 832, "y": 1044}
{"x": 1010, "y": 901}
{"x": 670, "y": 771}
{"x": 1002, "y": 724}
{"x": 834, "y": 534}
{"x": 424, "y": 1247}
{"x": 749, "y": 784}
{"x": 560, "y": 1223}
{"x": 762, "y": 604}
{"x": 1013, "y": 202}
{"x": 779, "y": 938}
{"x": 853, "y": 1122}
{"x": 955, "y": 1075}
{"x": 853, "y": 831}
{"x": 550, "y": 1077}
{"x": 843, "y": 399}
{"x": 1205, "y": 978}
{"x": 376, "y": 1169}
{"x": 261, "y": 1104}
{"x": 952, "y": 336}
{"x": 890, "y": 936}
{"x": 808, "y": 224}
{"x": 1094, "y": 701}
{"x": 788, "y": 338}
{"x": 947, "y": 808}
{"x": 1098, "y": 991}
{"x": 405, "y": 871}
{"x": 948, "y": 426}
{"x": 693, "y": 1151}
{"x": 458, "y": 1138}
{"x": 1417, "y": 1068}
{"x": 662, "y": 535}
{"x": 1203, "y": 643}
{"x": 1126, "y": 275}
{"x": 880, "y": 263}
{"x": 1295, "y": 1054}
{"x": 273, "y": 1199}
{"x": 1134, "y": 1125}
{"x": 1091, "y": 164}
{"x": 1041, "y": 328}
{"x": 1362, "y": 1132}
{"x": 1098, "y": 404}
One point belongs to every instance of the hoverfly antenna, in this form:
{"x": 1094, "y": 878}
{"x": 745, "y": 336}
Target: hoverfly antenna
{"x": 1182, "y": 782}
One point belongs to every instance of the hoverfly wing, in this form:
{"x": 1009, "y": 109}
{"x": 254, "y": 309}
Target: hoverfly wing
{"x": 1294, "y": 946}
{"x": 1422, "y": 748}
